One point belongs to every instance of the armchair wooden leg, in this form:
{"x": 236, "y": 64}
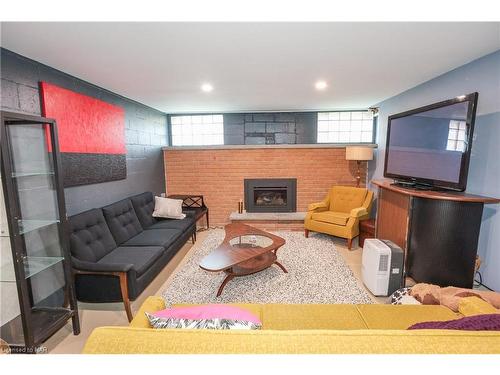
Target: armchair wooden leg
{"x": 124, "y": 290}
{"x": 306, "y": 233}
{"x": 349, "y": 243}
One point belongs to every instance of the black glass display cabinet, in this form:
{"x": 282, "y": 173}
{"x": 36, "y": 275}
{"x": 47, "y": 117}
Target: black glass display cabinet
{"x": 37, "y": 291}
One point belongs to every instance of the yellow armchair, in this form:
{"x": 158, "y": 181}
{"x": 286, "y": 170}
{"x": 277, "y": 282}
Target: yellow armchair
{"x": 340, "y": 212}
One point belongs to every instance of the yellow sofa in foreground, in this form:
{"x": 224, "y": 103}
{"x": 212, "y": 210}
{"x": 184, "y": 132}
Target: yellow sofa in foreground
{"x": 340, "y": 212}
{"x": 298, "y": 329}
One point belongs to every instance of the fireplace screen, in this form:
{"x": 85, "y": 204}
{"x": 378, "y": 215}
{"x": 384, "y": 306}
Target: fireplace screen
{"x": 271, "y": 195}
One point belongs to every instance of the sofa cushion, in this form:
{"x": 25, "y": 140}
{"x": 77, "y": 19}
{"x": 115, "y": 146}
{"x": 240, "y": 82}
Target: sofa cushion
{"x": 311, "y": 316}
{"x": 154, "y": 237}
{"x": 144, "y": 205}
{"x": 345, "y": 198}
{"x": 90, "y": 238}
{"x": 330, "y": 217}
{"x": 402, "y": 316}
{"x": 474, "y": 306}
{"x": 181, "y": 224}
{"x": 122, "y": 220}
{"x": 142, "y": 258}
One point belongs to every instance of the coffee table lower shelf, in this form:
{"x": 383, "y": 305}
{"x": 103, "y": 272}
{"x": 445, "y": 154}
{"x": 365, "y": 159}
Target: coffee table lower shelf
{"x": 249, "y": 267}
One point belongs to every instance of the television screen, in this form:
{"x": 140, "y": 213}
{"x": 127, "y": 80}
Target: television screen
{"x": 431, "y": 145}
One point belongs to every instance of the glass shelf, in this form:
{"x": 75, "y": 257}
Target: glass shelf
{"x": 41, "y": 319}
{"x": 30, "y": 174}
{"x": 251, "y": 240}
{"x": 32, "y": 266}
{"x": 26, "y": 226}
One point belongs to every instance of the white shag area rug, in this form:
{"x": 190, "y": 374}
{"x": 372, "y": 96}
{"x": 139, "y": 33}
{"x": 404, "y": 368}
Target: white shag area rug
{"x": 317, "y": 273}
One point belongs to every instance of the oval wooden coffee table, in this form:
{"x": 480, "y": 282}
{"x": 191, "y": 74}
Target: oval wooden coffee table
{"x": 244, "y": 251}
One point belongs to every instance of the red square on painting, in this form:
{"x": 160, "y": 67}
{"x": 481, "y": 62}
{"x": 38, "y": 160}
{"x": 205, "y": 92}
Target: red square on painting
{"x": 91, "y": 135}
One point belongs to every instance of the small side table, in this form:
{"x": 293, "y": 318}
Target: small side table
{"x": 366, "y": 230}
{"x": 193, "y": 203}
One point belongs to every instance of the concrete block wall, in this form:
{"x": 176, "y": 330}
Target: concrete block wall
{"x": 145, "y": 130}
{"x": 270, "y": 128}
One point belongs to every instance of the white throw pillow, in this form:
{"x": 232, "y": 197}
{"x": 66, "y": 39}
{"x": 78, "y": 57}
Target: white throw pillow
{"x": 168, "y": 208}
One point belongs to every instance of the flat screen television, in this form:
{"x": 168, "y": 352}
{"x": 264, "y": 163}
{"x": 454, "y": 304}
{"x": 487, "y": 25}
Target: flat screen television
{"x": 429, "y": 147}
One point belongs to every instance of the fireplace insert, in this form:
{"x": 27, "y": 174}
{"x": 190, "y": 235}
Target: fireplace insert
{"x": 271, "y": 195}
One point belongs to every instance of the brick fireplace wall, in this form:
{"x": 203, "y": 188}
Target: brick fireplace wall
{"x": 218, "y": 174}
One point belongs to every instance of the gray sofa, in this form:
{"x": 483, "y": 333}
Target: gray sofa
{"x": 117, "y": 250}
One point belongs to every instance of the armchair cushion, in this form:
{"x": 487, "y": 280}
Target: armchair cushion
{"x": 330, "y": 217}
{"x": 345, "y": 198}
{"x": 141, "y": 258}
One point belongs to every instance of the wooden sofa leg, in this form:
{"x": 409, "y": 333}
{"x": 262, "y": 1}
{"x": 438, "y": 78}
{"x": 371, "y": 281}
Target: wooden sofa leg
{"x": 306, "y": 233}
{"x": 193, "y": 237}
{"x": 124, "y": 290}
{"x": 349, "y": 243}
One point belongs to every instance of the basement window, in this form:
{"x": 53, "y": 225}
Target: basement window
{"x": 346, "y": 127}
{"x": 456, "y": 136}
{"x": 197, "y": 130}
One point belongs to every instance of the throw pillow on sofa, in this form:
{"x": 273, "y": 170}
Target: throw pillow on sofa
{"x": 168, "y": 208}
{"x": 204, "y": 317}
{"x": 484, "y": 322}
{"x": 402, "y": 297}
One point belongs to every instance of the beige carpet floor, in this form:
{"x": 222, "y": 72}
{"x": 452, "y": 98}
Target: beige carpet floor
{"x": 112, "y": 314}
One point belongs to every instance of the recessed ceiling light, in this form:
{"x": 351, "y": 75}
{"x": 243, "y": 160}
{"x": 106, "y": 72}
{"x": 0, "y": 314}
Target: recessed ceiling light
{"x": 207, "y": 87}
{"x": 320, "y": 85}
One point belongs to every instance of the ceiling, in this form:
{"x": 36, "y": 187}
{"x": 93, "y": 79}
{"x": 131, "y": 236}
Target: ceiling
{"x": 253, "y": 66}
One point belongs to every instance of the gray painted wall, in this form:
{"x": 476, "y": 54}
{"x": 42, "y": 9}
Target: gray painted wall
{"x": 483, "y": 76}
{"x": 145, "y": 130}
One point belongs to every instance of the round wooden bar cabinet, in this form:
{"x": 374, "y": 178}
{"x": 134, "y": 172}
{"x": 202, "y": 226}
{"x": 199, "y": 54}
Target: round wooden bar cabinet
{"x": 438, "y": 231}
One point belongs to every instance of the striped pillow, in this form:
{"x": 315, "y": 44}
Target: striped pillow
{"x": 204, "y": 317}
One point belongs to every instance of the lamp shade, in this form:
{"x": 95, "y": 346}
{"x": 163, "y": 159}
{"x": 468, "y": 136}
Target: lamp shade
{"x": 358, "y": 153}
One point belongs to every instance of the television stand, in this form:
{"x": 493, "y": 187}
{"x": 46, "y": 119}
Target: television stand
{"x": 438, "y": 231}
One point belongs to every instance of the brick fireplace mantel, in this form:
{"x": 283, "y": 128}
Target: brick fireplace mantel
{"x": 250, "y": 147}
{"x": 218, "y": 172}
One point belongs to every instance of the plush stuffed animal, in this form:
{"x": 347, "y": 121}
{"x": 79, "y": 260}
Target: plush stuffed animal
{"x": 429, "y": 294}
{"x": 4, "y": 347}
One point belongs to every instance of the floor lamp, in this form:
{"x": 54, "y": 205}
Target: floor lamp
{"x": 359, "y": 154}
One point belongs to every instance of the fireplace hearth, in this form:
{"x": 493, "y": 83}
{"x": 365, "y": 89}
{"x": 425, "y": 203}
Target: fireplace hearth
{"x": 271, "y": 195}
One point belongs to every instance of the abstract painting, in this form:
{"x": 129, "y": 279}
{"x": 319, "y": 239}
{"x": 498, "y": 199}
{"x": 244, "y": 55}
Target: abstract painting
{"x": 91, "y": 135}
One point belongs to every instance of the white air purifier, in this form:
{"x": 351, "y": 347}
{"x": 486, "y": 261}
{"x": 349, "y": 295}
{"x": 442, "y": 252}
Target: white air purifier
{"x": 382, "y": 266}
